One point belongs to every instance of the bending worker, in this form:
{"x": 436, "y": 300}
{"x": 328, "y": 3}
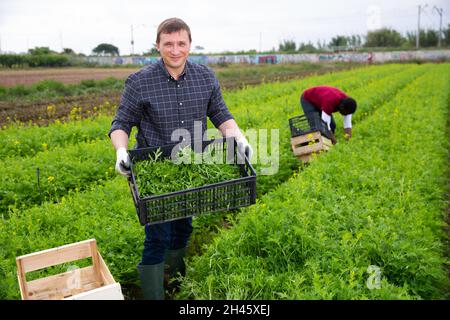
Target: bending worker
{"x": 162, "y": 97}
{"x": 325, "y": 100}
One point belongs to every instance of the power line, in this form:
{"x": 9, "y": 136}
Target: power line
{"x": 418, "y": 24}
{"x": 429, "y": 18}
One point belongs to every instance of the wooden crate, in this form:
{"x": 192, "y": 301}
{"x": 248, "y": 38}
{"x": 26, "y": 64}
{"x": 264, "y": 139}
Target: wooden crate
{"x": 306, "y": 146}
{"x": 94, "y": 282}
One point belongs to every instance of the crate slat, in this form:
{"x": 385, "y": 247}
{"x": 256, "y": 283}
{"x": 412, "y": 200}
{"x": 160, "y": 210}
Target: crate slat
{"x": 106, "y": 275}
{"x": 304, "y": 146}
{"x": 298, "y": 140}
{"x": 55, "y": 256}
{"x": 63, "y": 284}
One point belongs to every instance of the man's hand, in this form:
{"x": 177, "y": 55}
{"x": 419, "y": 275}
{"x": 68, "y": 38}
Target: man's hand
{"x": 123, "y": 162}
{"x": 243, "y": 148}
{"x": 347, "y": 133}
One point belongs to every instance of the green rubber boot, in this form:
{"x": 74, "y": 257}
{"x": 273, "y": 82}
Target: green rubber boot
{"x": 152, "y": 280}
{"x": 174, "y": 264}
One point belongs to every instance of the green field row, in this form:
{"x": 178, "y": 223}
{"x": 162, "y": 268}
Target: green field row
{"x": 363, "y": 221}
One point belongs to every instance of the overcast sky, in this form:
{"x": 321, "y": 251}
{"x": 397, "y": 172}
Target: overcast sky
{"x": 217, "y": 26}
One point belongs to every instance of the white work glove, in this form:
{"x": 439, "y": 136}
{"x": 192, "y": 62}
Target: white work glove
{"x": 123, "y": 162}
{"x": 243, "y": 145}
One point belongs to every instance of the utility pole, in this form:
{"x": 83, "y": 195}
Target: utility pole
{"x": 132, "y": 41}
{"x": 439, "y": 11}
{"x": 132, "y": 36}
{"x": 418, "y": 25}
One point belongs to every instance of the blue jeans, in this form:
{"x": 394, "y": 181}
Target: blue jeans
{"x": 309, "y": 109}
{"x": 160, "y": 237}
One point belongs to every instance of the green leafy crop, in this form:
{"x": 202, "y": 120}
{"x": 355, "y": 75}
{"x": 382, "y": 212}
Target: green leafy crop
{"x": 158, "y": 176}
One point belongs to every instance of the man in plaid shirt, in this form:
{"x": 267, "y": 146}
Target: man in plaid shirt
{"x": 159, "y": 99}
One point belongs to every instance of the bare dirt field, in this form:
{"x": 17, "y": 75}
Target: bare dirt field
{"x": 9, "y": 78}
{"x": 35, "y": 110}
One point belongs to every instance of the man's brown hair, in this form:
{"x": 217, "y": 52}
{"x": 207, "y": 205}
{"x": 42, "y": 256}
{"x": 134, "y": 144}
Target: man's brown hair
{"x": 172, "y": 25}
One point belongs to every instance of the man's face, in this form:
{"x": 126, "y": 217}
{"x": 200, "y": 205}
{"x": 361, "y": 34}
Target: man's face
{"x": 174, "y": 48}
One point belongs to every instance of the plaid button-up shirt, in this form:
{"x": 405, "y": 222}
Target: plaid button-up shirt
{"x": 157, "y": 104}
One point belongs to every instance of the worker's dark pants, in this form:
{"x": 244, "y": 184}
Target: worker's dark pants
{"x": 310, "y": 109}
{"x": 160, "y": 237}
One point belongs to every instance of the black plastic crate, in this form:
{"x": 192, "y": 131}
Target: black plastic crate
{"x": 301, "y": 125}
{"x": 211, "y": 198}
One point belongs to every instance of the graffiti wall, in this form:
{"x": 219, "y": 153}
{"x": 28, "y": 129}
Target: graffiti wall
{"x": 345, "y": 57}
{"x": 361, "y": 57}
{"x": 435, "y": 55}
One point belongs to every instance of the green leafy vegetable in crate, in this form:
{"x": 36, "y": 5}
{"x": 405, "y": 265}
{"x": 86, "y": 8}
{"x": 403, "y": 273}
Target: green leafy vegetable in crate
{"x": 158, "y": 176}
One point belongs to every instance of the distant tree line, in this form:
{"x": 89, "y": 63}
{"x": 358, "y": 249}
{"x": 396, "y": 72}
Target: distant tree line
{"x": 44, "y": 57}
{"x": 36, "y": 57}
{"x": 381, "y": 38}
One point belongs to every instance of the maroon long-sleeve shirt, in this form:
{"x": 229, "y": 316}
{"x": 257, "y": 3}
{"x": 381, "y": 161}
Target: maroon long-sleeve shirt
{"x": 324, "y": 97}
